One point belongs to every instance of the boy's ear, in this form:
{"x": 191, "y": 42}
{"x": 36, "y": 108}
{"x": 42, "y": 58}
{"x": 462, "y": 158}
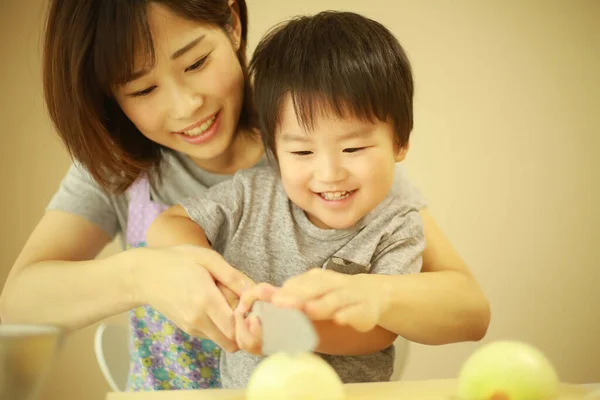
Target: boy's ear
{"x": 401, "y": 151}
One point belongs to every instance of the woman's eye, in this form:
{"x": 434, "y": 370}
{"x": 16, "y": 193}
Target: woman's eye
{"x": 354, "y": 149}
{"x": 301, "y": 153}
{"x": 144, "y": 92}
{"x": 197, "y": 64}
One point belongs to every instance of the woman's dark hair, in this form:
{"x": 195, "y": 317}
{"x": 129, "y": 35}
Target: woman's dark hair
{"x": 333, "y": 61}
{"x": 90, "y": 45}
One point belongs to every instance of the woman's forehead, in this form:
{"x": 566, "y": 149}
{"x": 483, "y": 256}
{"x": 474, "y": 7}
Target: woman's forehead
{"x": 168, "y": 36}
{"x": 170, "y": 32}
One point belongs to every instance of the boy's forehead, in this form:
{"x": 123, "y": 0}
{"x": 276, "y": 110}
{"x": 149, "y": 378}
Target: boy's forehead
{"x": 329, "y": 124}
{"x": 307, "y": 114}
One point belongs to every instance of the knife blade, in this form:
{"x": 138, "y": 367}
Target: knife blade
{"x": 284, "y": 329}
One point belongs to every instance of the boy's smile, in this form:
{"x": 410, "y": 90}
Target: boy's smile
{"x": 340, "y": 170}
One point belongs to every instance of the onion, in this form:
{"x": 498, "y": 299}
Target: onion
{"x": 303, "y": 376}
{"x": 507, "y": 370}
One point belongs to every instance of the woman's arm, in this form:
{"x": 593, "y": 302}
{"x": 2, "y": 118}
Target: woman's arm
{"x": 55, "y": 280}
{"x": 444, "y": 303}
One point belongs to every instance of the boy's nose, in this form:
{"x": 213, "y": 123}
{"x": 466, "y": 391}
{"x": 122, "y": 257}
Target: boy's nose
{"x": 329, "y": 170}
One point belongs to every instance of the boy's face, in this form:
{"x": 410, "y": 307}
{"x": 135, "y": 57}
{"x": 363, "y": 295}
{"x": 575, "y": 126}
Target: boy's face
{"x": 338, "y": 172}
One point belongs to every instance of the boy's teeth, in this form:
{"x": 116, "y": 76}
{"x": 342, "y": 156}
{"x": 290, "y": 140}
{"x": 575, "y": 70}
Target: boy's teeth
{"x": 200, "y": 129}
{"x": 335, "y": 195}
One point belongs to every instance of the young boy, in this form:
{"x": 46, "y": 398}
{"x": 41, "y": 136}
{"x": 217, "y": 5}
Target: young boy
{"x": 334, "y": 98}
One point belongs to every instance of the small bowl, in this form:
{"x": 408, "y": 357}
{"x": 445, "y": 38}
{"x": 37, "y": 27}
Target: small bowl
{"x": 26, "y": 352}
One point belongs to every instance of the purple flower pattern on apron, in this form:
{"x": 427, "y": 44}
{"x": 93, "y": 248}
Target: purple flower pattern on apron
{"x": 163, "y": 357}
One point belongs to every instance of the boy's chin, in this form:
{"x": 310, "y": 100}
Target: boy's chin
{"x": 334, "y": 223}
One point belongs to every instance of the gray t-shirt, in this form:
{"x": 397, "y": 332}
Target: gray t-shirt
{"x": 79, "y": 194}
{"x": 252, "y": 223}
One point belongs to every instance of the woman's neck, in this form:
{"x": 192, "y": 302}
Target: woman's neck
{"x": 244, "y": 152}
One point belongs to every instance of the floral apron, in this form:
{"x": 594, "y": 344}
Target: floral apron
{"x": 163, "y": 357}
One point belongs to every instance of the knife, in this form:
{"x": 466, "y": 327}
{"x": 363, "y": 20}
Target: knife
{"x": 284, "y": 329}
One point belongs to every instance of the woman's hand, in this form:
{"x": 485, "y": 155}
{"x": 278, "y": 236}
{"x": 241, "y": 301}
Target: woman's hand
{"x": 232, "y": 298}
{"x": 180, "y": 282}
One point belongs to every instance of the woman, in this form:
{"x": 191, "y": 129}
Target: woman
{"x": 152, "y": 100}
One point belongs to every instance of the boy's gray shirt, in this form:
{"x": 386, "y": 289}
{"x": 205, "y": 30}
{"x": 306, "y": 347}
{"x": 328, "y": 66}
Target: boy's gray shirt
{"x": 252, "y": 223}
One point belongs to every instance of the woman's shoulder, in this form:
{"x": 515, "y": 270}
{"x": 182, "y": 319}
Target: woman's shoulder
{"x": 79, "y": 194}
{"x": 180, "y": 177}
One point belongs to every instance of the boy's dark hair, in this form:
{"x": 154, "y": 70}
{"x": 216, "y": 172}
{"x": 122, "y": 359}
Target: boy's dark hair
{"x": 91, "y": 45}
{"x": 333, "y": 61}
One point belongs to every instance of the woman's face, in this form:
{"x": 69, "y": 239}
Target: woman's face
{"x": 190, "y": 99}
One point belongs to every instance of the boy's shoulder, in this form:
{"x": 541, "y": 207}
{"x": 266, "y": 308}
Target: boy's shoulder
{"x": 260, "y": 184}
{"x": 395, "y": 219}
{"x": 394, "y": 211}
{"x": 393, "y": 227}
{"x": 263, "y": 175}
{"x": 264, "y": 172}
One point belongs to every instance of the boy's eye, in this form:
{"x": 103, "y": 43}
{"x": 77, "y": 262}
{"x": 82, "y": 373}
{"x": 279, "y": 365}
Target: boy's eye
{"x": 301, "y": 153}
{"x": 143, "y": 92}
{"x": 353, "y": 149}
{"x": 197, "y": 64}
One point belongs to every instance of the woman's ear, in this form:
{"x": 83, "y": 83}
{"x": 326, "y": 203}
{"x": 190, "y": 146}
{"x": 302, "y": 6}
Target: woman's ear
{"x": 401, "y": 151}
{"x": 235, "y": 25}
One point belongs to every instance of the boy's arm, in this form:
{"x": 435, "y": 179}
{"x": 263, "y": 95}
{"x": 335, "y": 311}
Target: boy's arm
{"x": 329, "y": 291}
{"x": 388, "y": 294}
{"x": 341, "y": 340}
{"x": 442, "y": 304}
{"x": 174, "y": 227}
{"x": 334, "y": 339}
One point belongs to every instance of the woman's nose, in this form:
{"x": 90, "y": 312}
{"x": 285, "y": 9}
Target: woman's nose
{"x": 184, "y": 102}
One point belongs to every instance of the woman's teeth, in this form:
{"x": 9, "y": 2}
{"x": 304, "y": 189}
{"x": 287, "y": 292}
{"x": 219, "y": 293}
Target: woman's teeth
{"x": 199, "y": 130}
{"x": 335, "y": 195}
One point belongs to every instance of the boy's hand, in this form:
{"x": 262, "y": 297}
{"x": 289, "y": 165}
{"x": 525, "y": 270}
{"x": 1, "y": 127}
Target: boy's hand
{"x": 353, "y": 300}
{"x": 261, "y": 291}
{"x": 248, "y": 332}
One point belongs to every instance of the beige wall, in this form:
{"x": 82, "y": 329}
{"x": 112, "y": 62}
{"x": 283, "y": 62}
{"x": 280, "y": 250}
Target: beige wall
{"x": 507, "y": 127}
